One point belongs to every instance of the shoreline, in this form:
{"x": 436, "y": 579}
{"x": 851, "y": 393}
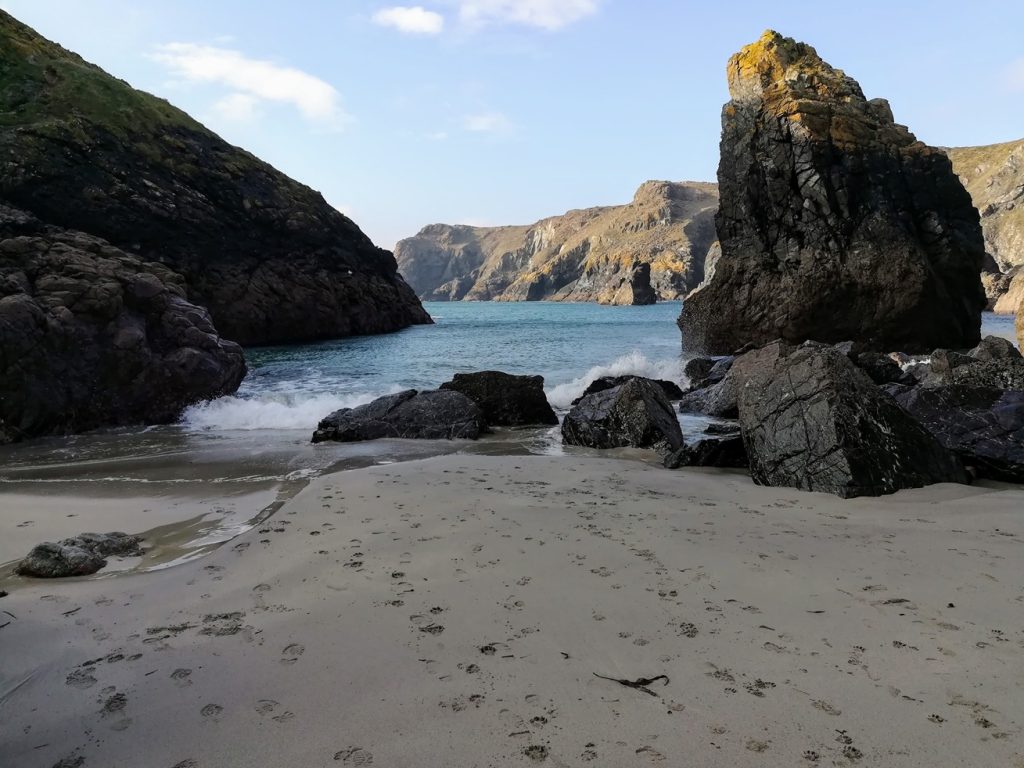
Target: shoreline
{"x": 454, "y": 610}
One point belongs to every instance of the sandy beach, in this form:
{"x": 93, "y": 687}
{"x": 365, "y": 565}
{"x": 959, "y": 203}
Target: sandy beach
{"x": 468, "y": 610}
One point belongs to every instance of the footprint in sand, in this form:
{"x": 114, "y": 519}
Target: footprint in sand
{"x": 292, "y": 653}
{"x": 354, "y": 756}
{"x": 81, "y": 679}
{"x": 181, "y": 677}
{"x": 211, "y": 710}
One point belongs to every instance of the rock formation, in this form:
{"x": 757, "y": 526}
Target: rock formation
{"x": 268, "y": 256}
{"x": 725, "y": 452}
{"x": 835, "y": 222}
{"x": 506, "y": 400}
{"x": 91, "y": 336}
{"x": 814, "y": 421}
{"x": 652, "y": 248}
{"x": 635, "y": 413}
{"x": 670, "y": 388}
{"x": 79, "y": 556}
{"x": 411, "y": 415}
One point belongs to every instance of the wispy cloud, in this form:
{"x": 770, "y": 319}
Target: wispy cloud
{"x": 487, "y": 122}
{"x": 253, "y": 82}
{"x": 412, "y": 20}
{"x": 1014, "y": 75}
{"x": 545, "y": 14}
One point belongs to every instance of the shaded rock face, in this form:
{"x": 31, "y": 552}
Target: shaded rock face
{"x": 79, "y": 556}
{"x": 650, "y": 249}
{"x": 1012, "y": 300}
{"x": 270, "y": 259}
{"x": 91, "y": 336}
{"x": 635, "y": 413}
{"x": 835, "y": 222}
{"x": 412, "y": 415}
{"x": 725, "y": 452}
{"x": 722, "y": 398}
{"x": 670, "y": 388}
{"x": 1007, "y": 373}
{"x": 995, "y": 348}
{"x": 506, "y": 400}
{"x": 814, "y": 421}
{"x": 982, "y": 425}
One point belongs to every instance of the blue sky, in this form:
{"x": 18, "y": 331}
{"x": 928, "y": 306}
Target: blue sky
{"x": 506, "y": 111}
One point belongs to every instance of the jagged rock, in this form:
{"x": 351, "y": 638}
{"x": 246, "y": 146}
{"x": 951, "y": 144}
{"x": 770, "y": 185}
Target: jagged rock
{"x": 995, "y": 348}
{"x": 983, "y": 425}
{"x": 670, "y": 388}
{"x": 1013, "y": 299}
{"x": 91, "y": 336}
{"x": 835, "y": 222}
{"x": 814, "y": 421}
{"x": 79, "y": 556}
{"x": 702, "y": 372}
{"x": 506, "y": 400}
{"x": 882, "y": 369}
{"x": 635, "y": 413}
{"x": 945, "y": 361}
{"x": 722, "y": 399}
{"x": 269, "y": 257}
{"x": 411, "y": 415}
{"x": 596, "y": 254}
{"x": 1005, "y": 373}
{"x": 727, "y": 452}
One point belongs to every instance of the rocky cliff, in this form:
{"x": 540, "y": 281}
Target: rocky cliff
{"x": 268, "y": 256}
{"x": 92, "y": 336}
{"x": 994, "y": 176}
{"x": 835, "y": 222}
{"x": 651, "y": 248}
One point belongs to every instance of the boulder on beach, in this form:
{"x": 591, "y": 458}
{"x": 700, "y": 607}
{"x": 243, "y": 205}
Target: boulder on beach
{"x": 635, "y": 413}
{"x": 835, "y": 221}
{"x": 721, "y": 399}
{"x": 815, "y": 421}
{"x": 411, "y": 415}
{"x": 995, "y": 348}
{"x": 984, "y": 426}
{"x": 670, "y": 388}
{"x": 506, "y": 400}
{"x": 726, "y": 452}
{"x": 91, "y": 336}
{"x": 79, "y": 556}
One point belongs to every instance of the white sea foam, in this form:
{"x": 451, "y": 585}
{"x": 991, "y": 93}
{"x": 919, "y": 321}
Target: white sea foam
{"x": 635, "y": 363}
{"x": 295, "y": 410}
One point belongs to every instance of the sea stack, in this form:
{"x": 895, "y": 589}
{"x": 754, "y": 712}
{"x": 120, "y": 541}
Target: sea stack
{"x": 835, "y": 222}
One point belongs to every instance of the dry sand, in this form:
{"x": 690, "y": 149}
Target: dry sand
{"x": 453, "y": 612}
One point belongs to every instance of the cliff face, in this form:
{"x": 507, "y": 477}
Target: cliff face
{"x": 652, "y": 248}
{"x": 268, "y": 256}
{"x": 835, "y": 222}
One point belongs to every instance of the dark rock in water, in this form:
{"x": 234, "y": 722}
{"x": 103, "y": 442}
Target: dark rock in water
{"x": 79, "y": 556}
{"x": 1004, "y": 373}
{"x": 814, "y": 421}
{"x": 506, "y": 400}
{"x": 882, "y": 369}
{"x": 635, "y": 413}
{"x": 716, "y": 452}
{"x": 995, "y": 348}
{"x": 91, "y": 336}
{"x": 721, "y": 399}
{"x": 411, "y": 415}
{"x": 697, "y": 369}
{"x": 835, "y": 222}
{"x": 670, "y": 388}
{"x": 719, "y": 428}
{"x": 269, "y": 257}
{"x": 982, "y": 425}
{"x": 640, "y": 284}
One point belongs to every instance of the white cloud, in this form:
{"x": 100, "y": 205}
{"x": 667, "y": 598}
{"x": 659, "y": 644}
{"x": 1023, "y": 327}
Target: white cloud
{"x": 238, "y": 107}
{"x": 438, "y": 135}
{"x": 414, "y": 20}
{"x": 253, "y": 81}
{"x": 1014, "y": 75}
{"x": 487, "y": 122}
{"x": 546, "y": 14}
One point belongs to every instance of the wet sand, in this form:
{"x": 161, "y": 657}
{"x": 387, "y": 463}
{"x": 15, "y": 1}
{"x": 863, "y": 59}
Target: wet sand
{"x": 457, "y": 611}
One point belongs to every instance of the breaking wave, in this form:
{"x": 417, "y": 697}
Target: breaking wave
{"x": 293, "y": 410}
{"x": 635, "y": 363}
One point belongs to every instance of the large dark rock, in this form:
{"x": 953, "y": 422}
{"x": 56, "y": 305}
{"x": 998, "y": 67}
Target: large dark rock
{"x": 411, "y": 415}
{"x": 815, "y": 421}
{"x": 983, "y": 425}
{"x": 1005, "y": 373}
{"x": 670, "y": 388}
{"x": 722, "y": 399}
{"x": 727, "y": 452}
{"x": 268, "y": 256}
{"x": 635, "y": 413}
{"x": 835, "y": 222}
{"x": 91, "y": 336}
{"x": 506, "y": 400}
{"x": 79, "y": 556}
{"x": 995, "y": 348}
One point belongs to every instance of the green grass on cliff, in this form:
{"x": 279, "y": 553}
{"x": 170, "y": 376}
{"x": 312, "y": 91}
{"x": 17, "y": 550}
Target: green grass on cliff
{"x": 45, "y": 86}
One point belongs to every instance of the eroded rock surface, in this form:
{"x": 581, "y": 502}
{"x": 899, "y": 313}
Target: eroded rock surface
{"x": 79, "y": 556}
{"x": 635, "y": 413}
{"x": 412, "y": 415}
{"x": 835, "y": 222}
